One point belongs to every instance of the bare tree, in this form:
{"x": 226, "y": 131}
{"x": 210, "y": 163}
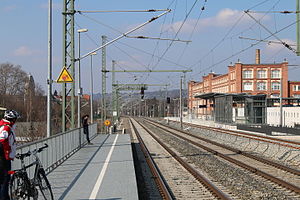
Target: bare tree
{"x": 12, "y": 79}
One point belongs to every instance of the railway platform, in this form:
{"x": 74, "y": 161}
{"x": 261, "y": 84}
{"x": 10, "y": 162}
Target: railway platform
{"x": 103, "y": 170}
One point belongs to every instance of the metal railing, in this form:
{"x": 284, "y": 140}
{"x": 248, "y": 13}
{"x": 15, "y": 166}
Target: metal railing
{"x": 61, "y": 147}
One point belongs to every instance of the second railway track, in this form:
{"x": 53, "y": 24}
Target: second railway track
{"x": 275, "y": 184}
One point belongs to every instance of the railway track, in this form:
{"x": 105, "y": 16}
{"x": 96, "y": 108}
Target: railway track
{"x": 281, "y": 177}
{"x": 261, "y": 138}
{"x": 282, "y": 151}
{"x": 175, "y": 178}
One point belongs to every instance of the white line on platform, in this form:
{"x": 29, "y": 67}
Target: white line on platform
{"x": 101, "y": 175}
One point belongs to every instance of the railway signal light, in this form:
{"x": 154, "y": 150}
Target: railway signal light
{"x": 142, "y": 90}
{"x": 168, "y": 100}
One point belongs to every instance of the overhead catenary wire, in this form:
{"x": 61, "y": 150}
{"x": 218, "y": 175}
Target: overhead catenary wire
{"x": 264, "y": 27}
{"x": 230, "y": 30}
{"x": 282, "y": 12}
{"x": 145, "y": 52}
{"x": 237, "y": 53}
{"x": 158, "y": 38}
{"x": 119, "y": 11}
{"x": 169, "y": 46}
{"x": 123, "y": 35}
{"x": 194, "y": 28}
{"x": 267, "y": 41}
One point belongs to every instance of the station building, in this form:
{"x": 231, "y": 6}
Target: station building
{"x": 249, "y": 79}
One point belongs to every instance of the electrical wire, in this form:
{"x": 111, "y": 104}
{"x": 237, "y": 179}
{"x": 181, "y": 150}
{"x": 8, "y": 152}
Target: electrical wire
{"x": 243, "y": 50}
{"x": 231, "y": 29}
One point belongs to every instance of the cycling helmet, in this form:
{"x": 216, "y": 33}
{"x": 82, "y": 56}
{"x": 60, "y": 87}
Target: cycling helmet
{"x": 11, "y": 114}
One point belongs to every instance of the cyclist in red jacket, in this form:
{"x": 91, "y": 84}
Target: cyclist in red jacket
{"x": 7, "y": 149}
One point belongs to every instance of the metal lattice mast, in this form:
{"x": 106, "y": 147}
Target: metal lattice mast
{"x": 114, "y": 92}
{"x": 104, "y": 40}
{"x": 68, "y": 107}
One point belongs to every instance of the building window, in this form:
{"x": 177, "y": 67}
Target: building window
{"x": 296, "y": 96}
{"x": 275, "y": 86}
{"x": 296, "y": 87}
{"x": 274, "y": 95}
{"x": 261, "y": 74}
{"x": 247, "y": 86}
{"x": 247, "y": 74}
{"x": 275, "y": 74}
{"x": 261, "y": 86}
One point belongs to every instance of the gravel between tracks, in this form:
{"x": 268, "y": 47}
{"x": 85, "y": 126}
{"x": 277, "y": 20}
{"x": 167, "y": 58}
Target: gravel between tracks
{"x": 242, "y": 183}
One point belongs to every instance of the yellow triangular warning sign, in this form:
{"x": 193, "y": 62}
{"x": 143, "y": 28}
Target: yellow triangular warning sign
{"x": 65, "y": 76}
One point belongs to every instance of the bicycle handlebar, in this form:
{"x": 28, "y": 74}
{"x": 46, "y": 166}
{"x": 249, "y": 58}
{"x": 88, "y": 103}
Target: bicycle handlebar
{"x": 21, "y": 156}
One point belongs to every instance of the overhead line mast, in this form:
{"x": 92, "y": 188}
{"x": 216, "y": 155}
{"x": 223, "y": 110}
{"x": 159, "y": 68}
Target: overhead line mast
{"x": 68, "y": 105}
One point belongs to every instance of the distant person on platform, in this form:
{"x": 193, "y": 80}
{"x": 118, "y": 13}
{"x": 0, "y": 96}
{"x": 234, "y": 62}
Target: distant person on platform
{"x": 85, "y": 124}
{"x": 7, "y": 149}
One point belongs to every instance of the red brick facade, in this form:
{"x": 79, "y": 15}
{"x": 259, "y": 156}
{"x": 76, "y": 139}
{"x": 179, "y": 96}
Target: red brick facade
{"x": 252, "y": 79}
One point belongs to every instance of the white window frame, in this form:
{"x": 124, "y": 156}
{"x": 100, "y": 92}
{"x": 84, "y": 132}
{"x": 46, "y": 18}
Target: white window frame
{"x": 261, "y": 73}
{"x": 247, "y": 74}
{"x": 296, "y": 95}
{"x": 261, "y": 87}
{"x": 247, "y": 86}
{"x": 296, "y": 88}
{"x": 275, "y": 87}
{"x": 275, "y": 95}
{"x": 277, "y": 74}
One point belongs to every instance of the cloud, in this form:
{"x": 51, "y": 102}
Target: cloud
{"x": 225, "y": 18}
{"x": 23, "y": 51}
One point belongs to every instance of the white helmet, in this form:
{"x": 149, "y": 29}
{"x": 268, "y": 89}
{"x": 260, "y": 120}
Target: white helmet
{"x": 11, "y": 114}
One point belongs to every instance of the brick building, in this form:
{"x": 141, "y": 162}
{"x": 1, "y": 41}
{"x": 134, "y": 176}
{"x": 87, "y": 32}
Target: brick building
{"x": 251, "y": 79}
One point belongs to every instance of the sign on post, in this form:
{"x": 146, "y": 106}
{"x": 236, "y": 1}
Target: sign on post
{"x": 64, "y": 76}
{"x": 107, "y": 122}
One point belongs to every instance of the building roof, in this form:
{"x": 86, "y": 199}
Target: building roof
{"x": 208, "y": 95}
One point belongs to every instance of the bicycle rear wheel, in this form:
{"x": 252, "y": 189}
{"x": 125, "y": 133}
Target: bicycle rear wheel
{"x": 44, "y": 186}
{"x": 18, "y": 187}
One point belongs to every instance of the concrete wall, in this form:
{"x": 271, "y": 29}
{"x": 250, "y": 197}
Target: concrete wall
{"x": 291, "y": 116}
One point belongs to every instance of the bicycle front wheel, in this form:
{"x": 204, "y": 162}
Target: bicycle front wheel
{"x": 18, "y": 187}
{"x": 44, "y": 186}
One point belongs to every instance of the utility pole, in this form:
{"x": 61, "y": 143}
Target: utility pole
{"x": 49, "y": 81}
{"x": 114, "y": 93}
{"x": 92, "y": 88}
{"x": 280, "y": 101}
{"x": 103, "y": 115}
{"x": 180, "y": 103}
{"x": 298, "y": 27}
{"x": 68, "y": 62}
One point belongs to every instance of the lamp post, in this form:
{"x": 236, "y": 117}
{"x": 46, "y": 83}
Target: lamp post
{"x": 79, "y": 83}
{"x": 49, "y": 95}
{"x": 92, "y": 87}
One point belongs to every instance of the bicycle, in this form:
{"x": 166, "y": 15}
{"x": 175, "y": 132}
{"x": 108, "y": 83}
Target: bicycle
{"x": 22, "y": 187}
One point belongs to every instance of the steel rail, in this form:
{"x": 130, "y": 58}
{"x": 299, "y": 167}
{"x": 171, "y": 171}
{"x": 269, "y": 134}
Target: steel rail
{"x": 260, "y": 159}
{"x": 160, "y": 182}
{"x": 203, "y": 180}
{"x": 248, "y": 135}
{"x": 278, "y": 181}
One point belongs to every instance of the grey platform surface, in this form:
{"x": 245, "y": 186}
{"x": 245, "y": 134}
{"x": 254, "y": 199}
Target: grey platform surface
{"x": 76, "y": 177}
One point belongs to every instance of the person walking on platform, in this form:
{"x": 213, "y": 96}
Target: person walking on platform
{"x": 7, "y": 150}
{"x": 85, "y": 124}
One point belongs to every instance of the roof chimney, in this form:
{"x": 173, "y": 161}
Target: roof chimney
{"x": 257, "y": 56}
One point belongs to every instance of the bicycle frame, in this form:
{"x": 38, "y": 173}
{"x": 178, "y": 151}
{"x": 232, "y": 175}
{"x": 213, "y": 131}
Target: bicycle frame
{"x": 30, "y": 183}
